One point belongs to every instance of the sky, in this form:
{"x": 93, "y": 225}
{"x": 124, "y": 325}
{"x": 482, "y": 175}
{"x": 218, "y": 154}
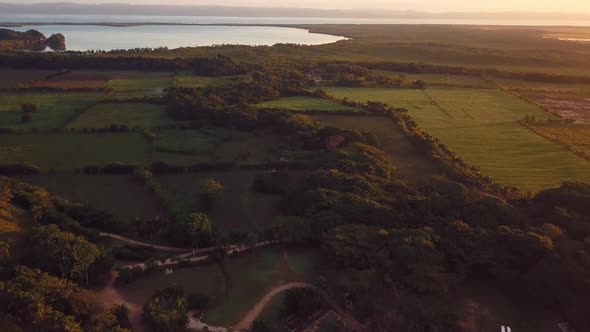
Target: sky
{"x": 567, "y": 6}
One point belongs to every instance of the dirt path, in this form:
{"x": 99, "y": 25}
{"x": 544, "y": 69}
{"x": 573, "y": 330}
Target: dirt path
{"x": 143, "y": 244}
{"x": 256, "y": 310}
{"x": 110, "y": 296}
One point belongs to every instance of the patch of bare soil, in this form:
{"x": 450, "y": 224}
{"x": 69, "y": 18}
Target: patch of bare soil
{"x": 567, "y": 106}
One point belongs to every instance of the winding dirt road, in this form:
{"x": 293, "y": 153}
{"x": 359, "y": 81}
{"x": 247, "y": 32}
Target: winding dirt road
{"x": 246, "y": 322}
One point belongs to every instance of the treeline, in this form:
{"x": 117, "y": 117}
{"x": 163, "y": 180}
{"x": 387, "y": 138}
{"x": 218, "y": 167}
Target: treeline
{"x": 218, "y": 66}
{"x": 421, "y": 68}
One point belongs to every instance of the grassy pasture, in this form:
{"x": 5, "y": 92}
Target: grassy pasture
{"x": 250, "y": 277}
{"x": 481, "y": 126}
{"x": 53, "y": 109}
{"x": 122, "y": 196}
{"x": 14, "y": 78}
{"x": 438, "y": 79}
{"x": 573, "y": 137}
{"x": 128, "y": 114}
{"x": 409, "y": 163}
{"x": 151, "y": 85}
{"x": 238, "y": 208}
{"x": 306, "y": 104}
{"x": 191, "y": 81}
{"x": 186, "y": 147}
{"x": 72, "y": 151}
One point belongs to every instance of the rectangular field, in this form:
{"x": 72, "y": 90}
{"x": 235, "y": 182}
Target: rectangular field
{"x": 409, "y": 163}
{"x": 53, "y": 109}
{"x": 482, "y": 127}
{"x": 187, "y": 147}
{"x": 306, "y": 104}
{"x": 122, "y": 114}
{"x": 195, "y": 82}
{"x": 573, "y": 137}
{"x": 111, "y": 193}
{"x": 238, "y": 207}
{"x": 73, "y": 151}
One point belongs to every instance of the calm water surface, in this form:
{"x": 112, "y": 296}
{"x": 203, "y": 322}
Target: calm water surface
{"x": 92, "y": 37}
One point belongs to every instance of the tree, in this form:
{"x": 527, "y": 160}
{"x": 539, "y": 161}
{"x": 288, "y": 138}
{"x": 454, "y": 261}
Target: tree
{"x": 200, "y": 229}
{"x": 166, "y": 310}
{"x": 45, "y": 302}
{"x": 4, "y": 250}
{"x": 210, "y": 192}
{"x": 27, "y": 112}
{"x": 63, "y": 252}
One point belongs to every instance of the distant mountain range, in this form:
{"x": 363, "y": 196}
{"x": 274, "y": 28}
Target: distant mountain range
{"x": 63, "y": 8}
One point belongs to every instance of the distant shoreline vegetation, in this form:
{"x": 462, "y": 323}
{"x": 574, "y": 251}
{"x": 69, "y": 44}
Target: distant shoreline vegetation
{"x": 30, "y": 40}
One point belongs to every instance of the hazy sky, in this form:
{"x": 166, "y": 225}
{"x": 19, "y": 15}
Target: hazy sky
{"x": 571, "y": 6}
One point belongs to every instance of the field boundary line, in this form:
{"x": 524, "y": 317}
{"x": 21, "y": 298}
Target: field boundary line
{"x": 434, "y": 102}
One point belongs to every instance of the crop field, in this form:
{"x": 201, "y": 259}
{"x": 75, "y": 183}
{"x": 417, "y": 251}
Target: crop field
{"x": 542, "y": 87}
{"x": 67, "y": 85}
{"x": 250, "y": 277}
{"x": 111, "y": 193}
{"x": 306, "y": 104}
{"x": 122, "y": 114}
{"x": 14, "y": 78}
{"x": 187, "y": 147}
{"x": 190, "y": 81}
{"x": 574, "y": 137}
{"x": 237, "y": 208}
{"x": 72, "y": 151}
{"x": 438, "y": 79}
{"x": 53, "y": 109}
{"x": 410, "y": 164}
{"x": 482, "y": 127}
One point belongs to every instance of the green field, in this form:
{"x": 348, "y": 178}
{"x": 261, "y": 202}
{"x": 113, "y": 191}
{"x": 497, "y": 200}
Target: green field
{"x": 482, "y": 127}
{"x": 438, "y": 79}
{"x": 54, "y": 110}
{"x": 111, "y": 193}
{"x": 189, "y": 81}
{"x": 13, "y": 78}
{"x": 572, "y": 136}
{"x": 140, "y": 84}
{"x": 409, "y": 163}
{"x": 238, "y": 208}
{"x": 306, "y": 104}
{"x": 72, "y": 151}
{"x": 122, "y": 114}
{"x": 188, "y": 147}
{"x": 251, "y": 276}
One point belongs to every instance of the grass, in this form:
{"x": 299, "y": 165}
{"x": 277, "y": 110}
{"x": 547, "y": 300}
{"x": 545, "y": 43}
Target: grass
{"x": 238, "y": 208}
{"x": 481, "y": 125}
{"x": 410, "y": 163}
{"x": 144, "y": 84}
{"x": 574, "y": 137}
{"x": 122, "y": 114}
{"x": 438, "y": 79}
{"x": 190, "y": 81}
{"x": 306, "y": 104}
{"x": 251, "y": 276}
{"x": 121, "y": 195}
{"x": 542, "y": 87}
{"x": 187, "y": 147}
{"x": 53, "y": 109}
{"x": 73, "y": 151}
